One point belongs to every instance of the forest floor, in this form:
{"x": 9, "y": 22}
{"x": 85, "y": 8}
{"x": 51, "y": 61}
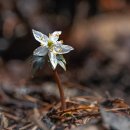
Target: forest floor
{"x": 35, "y": 105}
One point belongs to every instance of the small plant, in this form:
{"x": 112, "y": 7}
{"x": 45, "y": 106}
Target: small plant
{"x": 54, "y": 50}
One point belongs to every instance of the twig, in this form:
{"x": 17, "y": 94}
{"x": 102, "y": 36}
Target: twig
{"x": 11, "y": 116}
{"x": 26, "y": 126}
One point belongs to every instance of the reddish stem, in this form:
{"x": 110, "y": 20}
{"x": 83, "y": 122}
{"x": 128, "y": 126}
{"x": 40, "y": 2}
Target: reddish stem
{"x": 61, "y": 91}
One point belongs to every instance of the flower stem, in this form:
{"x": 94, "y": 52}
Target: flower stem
{"x": 61, "y": 91}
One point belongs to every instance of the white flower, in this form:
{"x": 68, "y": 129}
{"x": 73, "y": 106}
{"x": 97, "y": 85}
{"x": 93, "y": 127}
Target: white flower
{"x": 51, "y": 46}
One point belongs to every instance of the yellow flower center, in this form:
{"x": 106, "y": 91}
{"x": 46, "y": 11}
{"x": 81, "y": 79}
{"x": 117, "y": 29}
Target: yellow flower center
{"x": 50, "y": 43}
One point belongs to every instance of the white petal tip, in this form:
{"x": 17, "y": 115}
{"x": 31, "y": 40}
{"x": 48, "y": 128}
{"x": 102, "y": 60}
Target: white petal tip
{"x": 54, "y": 66}
{"x": 72, "y": 48}
{"x": 33, "y": 31}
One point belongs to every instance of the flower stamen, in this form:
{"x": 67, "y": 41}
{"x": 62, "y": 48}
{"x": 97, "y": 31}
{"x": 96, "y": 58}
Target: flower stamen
{"x": 50, "y": 43}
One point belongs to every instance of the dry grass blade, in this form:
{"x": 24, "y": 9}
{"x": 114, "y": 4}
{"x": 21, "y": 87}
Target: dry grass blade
{"x": 26, "y": 126}
{"x": 11, "y": 116}
{"x": 36, "y": 119}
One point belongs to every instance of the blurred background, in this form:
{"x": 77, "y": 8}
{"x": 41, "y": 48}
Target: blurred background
{"x": 99, "y": 30}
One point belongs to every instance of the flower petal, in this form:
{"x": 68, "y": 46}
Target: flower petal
{"x": 60, "y": 57}
{"x": 43, "y": 39}
{"x": 40, "y": 51}
{"x": 62, "y": 49}
{"x": 60, "y": 42}
{"x": 62, "y": 65}
{"x": 55, "y": 36}
{"x": 53, "y": 59}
